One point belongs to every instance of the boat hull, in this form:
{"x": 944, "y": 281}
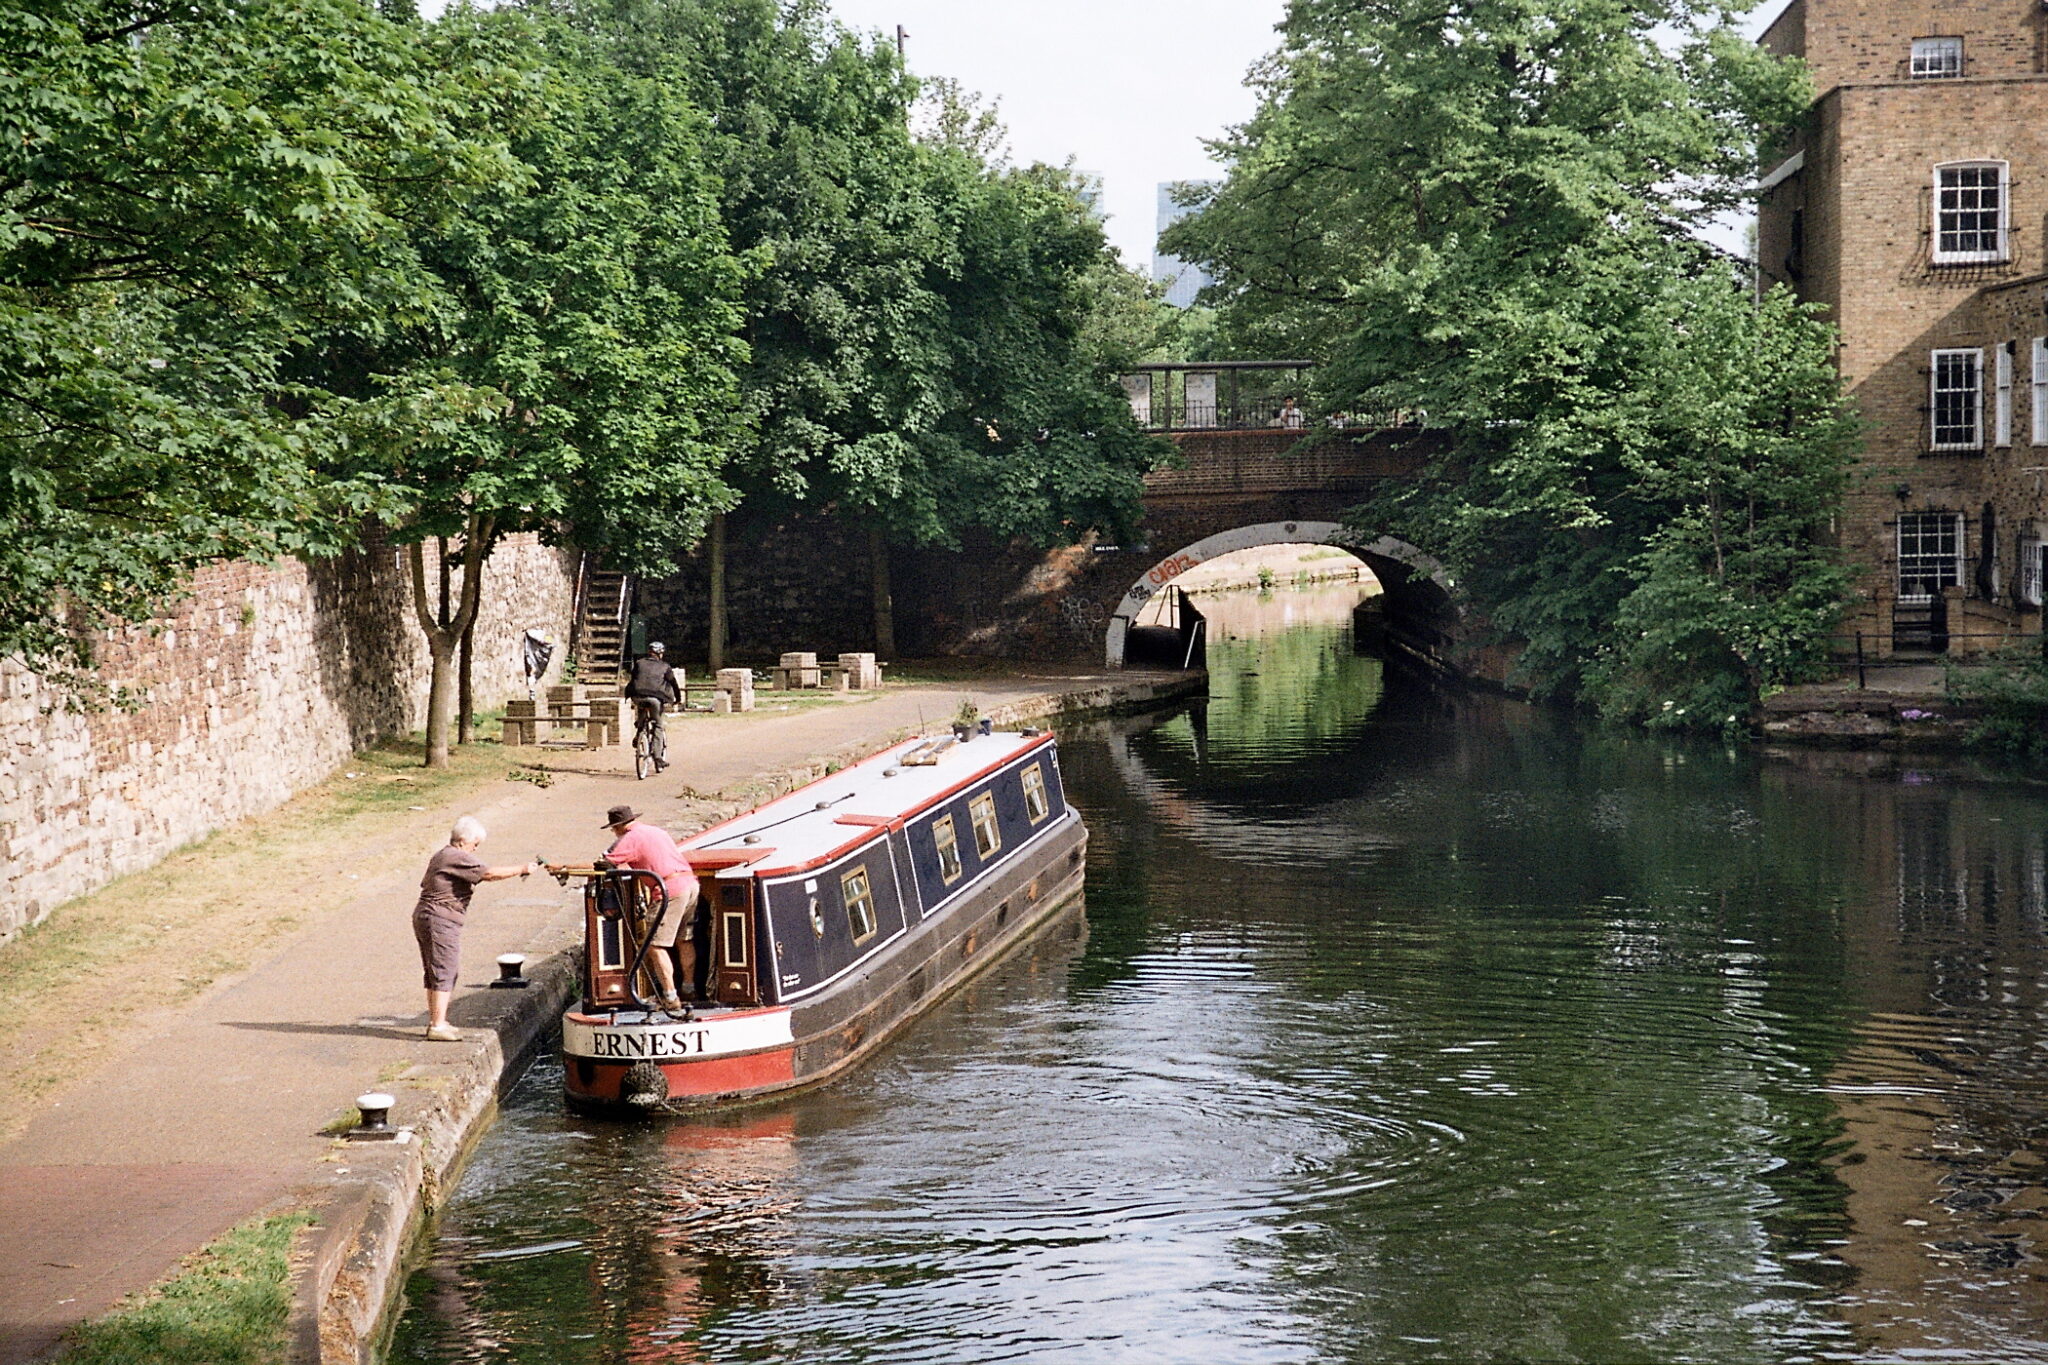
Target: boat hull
{"x": 611, "y": 1063}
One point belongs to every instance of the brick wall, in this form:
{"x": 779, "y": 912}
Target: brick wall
{"x": 1849, "y": 42}
{"x": 258, "y": 684}
{"x": 1853, "y": 231}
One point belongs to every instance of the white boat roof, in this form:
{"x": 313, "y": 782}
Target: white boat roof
{"x": 811, "y": 824}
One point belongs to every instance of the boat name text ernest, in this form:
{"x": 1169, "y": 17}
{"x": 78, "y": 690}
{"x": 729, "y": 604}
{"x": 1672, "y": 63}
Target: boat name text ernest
{"x": 674, "y": 1042}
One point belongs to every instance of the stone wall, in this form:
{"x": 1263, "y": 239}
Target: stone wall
{"x": 791, "y": 583}
{"x": 260, "y": 683}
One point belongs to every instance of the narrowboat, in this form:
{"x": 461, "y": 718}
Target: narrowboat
{"x": 833, "y": 916}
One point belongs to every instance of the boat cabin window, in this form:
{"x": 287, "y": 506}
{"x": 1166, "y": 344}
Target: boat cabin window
{"x": 860, "y": 903}
{"x": 1035, "y": 804}
{"x": 948, "y": 844}
{"x": 982, "y": 810}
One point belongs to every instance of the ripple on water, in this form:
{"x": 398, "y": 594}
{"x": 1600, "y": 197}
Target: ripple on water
{"x": 1392, "y": 1040}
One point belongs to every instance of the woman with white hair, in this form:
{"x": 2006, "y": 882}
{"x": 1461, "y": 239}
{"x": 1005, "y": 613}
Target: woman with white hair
{"x": 452, "y": 877}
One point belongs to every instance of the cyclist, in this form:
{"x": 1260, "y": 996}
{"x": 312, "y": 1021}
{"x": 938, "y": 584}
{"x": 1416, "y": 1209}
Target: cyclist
{"x": 652, "y": 686}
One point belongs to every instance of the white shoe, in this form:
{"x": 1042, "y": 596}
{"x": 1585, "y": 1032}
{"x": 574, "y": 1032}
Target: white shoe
{"x": 444, "y": 1033}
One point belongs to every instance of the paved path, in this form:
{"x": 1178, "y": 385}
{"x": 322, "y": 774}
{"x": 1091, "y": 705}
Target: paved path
{"x": 210, "y": 1113}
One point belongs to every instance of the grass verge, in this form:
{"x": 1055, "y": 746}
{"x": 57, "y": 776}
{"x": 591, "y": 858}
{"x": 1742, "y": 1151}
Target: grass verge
{"x": 163, "y": 935}
{"x": 227, "y": 1304}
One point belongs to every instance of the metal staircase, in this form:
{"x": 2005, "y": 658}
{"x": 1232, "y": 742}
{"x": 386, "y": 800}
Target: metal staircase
{"x": 601, "y": 623}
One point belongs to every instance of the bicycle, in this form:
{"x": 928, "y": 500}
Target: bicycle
{"x": 650, "y": 746}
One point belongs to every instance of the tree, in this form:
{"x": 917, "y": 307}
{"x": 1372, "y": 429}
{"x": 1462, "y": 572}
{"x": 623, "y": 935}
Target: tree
{"x": 1490, "y": 212}
{"x": 189, "y": 189}
{"x": 579, "y": 378}
{"x": 917, "y": 332}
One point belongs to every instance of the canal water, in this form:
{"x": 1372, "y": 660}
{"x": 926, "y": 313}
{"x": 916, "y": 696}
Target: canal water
{"x": 1403, "y": 1027}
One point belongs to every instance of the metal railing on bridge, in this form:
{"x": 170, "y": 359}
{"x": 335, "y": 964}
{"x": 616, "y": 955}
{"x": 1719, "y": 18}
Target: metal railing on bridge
{"x": 1233, "y": 395}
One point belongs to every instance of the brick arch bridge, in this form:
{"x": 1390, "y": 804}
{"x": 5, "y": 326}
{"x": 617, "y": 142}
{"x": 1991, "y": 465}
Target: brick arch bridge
{"x": 1399, "y": 566}
{"x": 1242, "y": 481}
{"x": 1240, "y": 489}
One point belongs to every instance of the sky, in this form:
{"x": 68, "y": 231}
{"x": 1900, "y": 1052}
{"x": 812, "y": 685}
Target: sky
{"x": 1127, "y": 88}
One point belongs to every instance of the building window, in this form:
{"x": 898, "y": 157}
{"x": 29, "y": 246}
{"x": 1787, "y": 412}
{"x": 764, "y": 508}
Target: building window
{"x": 948, "y": 844}
{"x": 2030, "y": 572}
{"x": 1930, "y": 553}
{"x": 1936, "y": 59}
{"x": 2040, "y": 391}
{"x": 1036, "y": 807}
{"x": 982, "y": 811}
{"x": 860, "y": 903}
{"x": 1958, "y": 401}
{"x": 1969, "y": 212}
{"x": 2001, "y": 395}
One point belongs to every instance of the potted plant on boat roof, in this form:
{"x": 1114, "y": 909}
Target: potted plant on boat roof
{"x": 964, "y": 719}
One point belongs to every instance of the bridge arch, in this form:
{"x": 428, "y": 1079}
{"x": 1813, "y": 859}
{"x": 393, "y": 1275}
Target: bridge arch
{"x": 1406, "y": 572}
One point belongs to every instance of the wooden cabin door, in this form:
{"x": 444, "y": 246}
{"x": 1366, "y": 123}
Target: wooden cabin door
{"x": 732, "y": 941}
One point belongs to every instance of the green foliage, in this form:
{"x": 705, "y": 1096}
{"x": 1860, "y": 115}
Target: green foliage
{"x": 2012, "y": 688}
{"x": 932, "y": 335}
{"x": 595, "y": 270}
{"x": 579, "y": 376}
{"x": 1489, "y": 216}
{"x": 185, "y": 193}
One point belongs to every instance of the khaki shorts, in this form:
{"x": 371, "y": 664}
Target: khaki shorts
{"x": 681, "y": 912}
{"x": 440, "y": 942}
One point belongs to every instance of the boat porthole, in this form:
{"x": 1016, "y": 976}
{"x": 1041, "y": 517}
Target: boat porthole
{"x": 817, "y": 919}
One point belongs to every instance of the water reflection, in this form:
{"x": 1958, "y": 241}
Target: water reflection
{"x": 1402, "y": 1029}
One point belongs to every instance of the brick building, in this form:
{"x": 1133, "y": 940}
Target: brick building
{"x": 1913, "y": 204}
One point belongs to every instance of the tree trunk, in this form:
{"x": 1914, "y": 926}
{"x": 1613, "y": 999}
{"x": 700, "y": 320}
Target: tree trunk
{"x": 441, "y": 646}
{"x": 444, "y": 636}
{"x": 717, "y": 554}
{"x": 885, "y": 603}
{"x": 465, "y": 690}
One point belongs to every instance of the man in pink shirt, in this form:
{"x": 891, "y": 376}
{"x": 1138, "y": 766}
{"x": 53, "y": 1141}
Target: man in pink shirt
{"x": 649, "y": 847}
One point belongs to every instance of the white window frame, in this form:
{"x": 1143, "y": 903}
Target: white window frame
{"x": 2001, "y": 403}
{"x": 1936, "y": 59}
{"x": 1036, "y": 805}
{"x": 2040, "y": 391}
{"x": 857, "y": 894}
{"x": 1942, "y": 372}
{"x": 988, "y": 835}
{"x": 1941, "y": 566}
{"x": 946, "y": 844}
{"x": 1942, "y": 207}
{"x": 2030, "y": 572}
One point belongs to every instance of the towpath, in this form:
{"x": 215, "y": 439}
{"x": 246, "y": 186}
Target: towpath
{"x": 209, "y": 1112}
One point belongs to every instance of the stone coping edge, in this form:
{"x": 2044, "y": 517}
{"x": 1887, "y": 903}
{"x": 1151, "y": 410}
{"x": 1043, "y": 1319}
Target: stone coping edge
{"x": 349, "y": 1267}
